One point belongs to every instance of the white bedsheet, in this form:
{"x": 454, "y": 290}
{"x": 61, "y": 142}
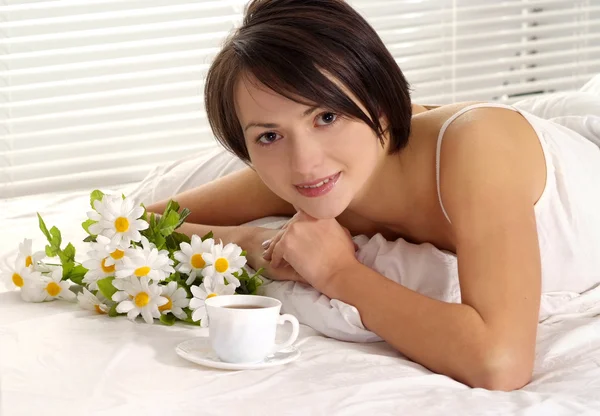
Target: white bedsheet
{"x": 56, "y": 359}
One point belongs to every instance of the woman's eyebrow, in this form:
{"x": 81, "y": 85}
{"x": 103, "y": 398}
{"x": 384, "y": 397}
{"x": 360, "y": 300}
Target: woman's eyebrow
{"x": 265, "y": 125}
{"x": 306, "y": 113}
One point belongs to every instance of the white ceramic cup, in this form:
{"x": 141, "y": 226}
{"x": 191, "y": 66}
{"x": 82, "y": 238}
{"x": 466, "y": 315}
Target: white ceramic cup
{"x": 241, "y": 335}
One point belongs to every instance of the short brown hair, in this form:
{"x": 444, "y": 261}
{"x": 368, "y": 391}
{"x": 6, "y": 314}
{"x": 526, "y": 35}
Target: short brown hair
{"x": 289, "y": 46}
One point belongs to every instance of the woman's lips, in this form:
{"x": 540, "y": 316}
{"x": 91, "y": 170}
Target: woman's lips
{"x": 318, "y": 188}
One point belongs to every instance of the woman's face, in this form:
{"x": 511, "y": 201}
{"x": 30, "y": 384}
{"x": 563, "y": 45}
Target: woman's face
{"x": 311, "y": 157}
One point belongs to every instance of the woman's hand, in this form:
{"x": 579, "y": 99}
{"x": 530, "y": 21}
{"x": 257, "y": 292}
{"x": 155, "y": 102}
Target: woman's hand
{"x": 316, "y": 249}
{"x": 254, "y": 248}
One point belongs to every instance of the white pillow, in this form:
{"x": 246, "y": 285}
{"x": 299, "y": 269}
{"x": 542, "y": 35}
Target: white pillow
{"x": 170, "y": 179}
{"x": 565, "y": 104}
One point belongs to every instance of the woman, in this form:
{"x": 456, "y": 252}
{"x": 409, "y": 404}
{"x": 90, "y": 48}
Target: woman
{"x": 306, "y": 93}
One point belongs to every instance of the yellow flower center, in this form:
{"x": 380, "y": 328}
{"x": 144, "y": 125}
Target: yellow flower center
{"x": 141, "y": 299}
{"x": 197, "y": 261}
{"x": 17, "y": 280}
{"x": 221, "y": 265}
{"x": 100, "y": 311}
{"x": 167, "y": 306}
{"x": 117, "y": 254}
{"x": 211, "y": 295}
{"x": 53, "y": 289}
{"x": 28, "y": 261}
{"x": 142, "y": 271}
{"x": 107, "y": 269}
{"x": 122, "y": 224}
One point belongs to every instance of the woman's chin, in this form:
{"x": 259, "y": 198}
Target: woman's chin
{"x": 323, "y": 211}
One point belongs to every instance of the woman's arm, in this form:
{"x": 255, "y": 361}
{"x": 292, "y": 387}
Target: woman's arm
{"x": 489, "y": 187}
{"x": 222, "y": 205}
{"x": 234, "y": 199}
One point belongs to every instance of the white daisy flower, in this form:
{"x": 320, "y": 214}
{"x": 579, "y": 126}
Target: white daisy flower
{"x": 52, "y": 286}
{"x": 138, "y": 296}
{"x": 191, "y": 260}
{"x": 223, "y": 262}
{"x": 208, "y": 289}
{"x": 26, "y": 254}
{"x": 176, "y": 300}
{"x": 146, "y": 261}
{"x": 117, "y": 219}
{"x": 19, "y": 275}
{"x": 104, "y": 249}
{"x": 102, "y": 261}
{"x": 97, "y": 303}
{"x": 33, "y": 291}
{"x": 97, "y": 270}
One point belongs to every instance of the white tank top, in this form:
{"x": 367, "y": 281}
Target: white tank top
{"x": 568, "y": 212}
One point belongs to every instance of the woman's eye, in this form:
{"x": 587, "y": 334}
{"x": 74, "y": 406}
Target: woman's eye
{"x": 267, "y": 138}
{"x": 326, "y": 119}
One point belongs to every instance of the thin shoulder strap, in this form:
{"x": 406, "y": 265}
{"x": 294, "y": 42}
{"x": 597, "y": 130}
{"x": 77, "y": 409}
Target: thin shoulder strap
{"x": 441, "y": 137}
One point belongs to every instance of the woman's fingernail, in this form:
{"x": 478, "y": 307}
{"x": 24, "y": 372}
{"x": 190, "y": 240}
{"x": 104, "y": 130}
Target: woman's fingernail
{"x": 266, "y": 244}
{"x": 264, "y": 254}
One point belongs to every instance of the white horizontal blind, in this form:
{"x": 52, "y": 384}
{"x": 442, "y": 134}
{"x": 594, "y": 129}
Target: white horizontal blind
{"x": 463, "y": 50}
{"x": 94, "y": 93}
{"x": 97, "y": 92}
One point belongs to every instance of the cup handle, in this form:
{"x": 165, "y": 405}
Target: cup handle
{"x": 295, "y": 330}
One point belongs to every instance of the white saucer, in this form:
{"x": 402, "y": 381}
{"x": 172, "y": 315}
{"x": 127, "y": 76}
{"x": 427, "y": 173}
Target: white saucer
{"x": 199, "y": 351}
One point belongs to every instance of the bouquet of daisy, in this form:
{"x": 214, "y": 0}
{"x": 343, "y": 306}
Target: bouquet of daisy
{"x": 136, "y": 265}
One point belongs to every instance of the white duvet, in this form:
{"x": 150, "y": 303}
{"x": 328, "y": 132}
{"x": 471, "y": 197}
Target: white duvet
{"x": 58, "y": 359}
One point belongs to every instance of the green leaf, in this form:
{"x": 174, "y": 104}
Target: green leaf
{"x": 77, "y": 274}
{"x": 182, "y": 216}
{"x": 106, "y": 287}
{"x": 253, "y": 284}
{"x": 171, "y": 206}
{"x": 86, "y": 225}
{"x": 181, "y": 238}
{"x": 174, "y": 241}
{"x": 258, "y": 273}
{"x": 123, "y": 196}
{"x": 112, "y": 312}
{"x": 96, "y": 196}
{"x": 207, "y": 236}
{"x": 67, "y": 268}
{"x": 43, "y": 227}
{"x": 69, "y": 252}
{"x": 56, "y": 239}
{"x": 243, "y": 253}
{"x": 160, "y": 241}
{"x": 249, "y": 284}
{"x": 167, "y": 319}
{"x": 51, "y": 251}
{"x": 168, "y": 223}
{"x": 145, "y": 214}
{"x": 90, "y": 239}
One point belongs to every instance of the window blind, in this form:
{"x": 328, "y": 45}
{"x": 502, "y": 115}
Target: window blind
{"x": 463, "y": 50}
{"x": 94, "y": 93}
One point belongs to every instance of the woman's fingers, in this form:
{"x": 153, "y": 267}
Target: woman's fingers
{"x": 277, "y": 259}
{"x": 269, "y": 245}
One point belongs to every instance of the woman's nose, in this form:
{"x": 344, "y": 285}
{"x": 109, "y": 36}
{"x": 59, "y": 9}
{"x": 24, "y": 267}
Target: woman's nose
{"x": 306, "y": 156}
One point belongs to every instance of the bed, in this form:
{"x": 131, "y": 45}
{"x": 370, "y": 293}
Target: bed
{"x": 58, "y": 359}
